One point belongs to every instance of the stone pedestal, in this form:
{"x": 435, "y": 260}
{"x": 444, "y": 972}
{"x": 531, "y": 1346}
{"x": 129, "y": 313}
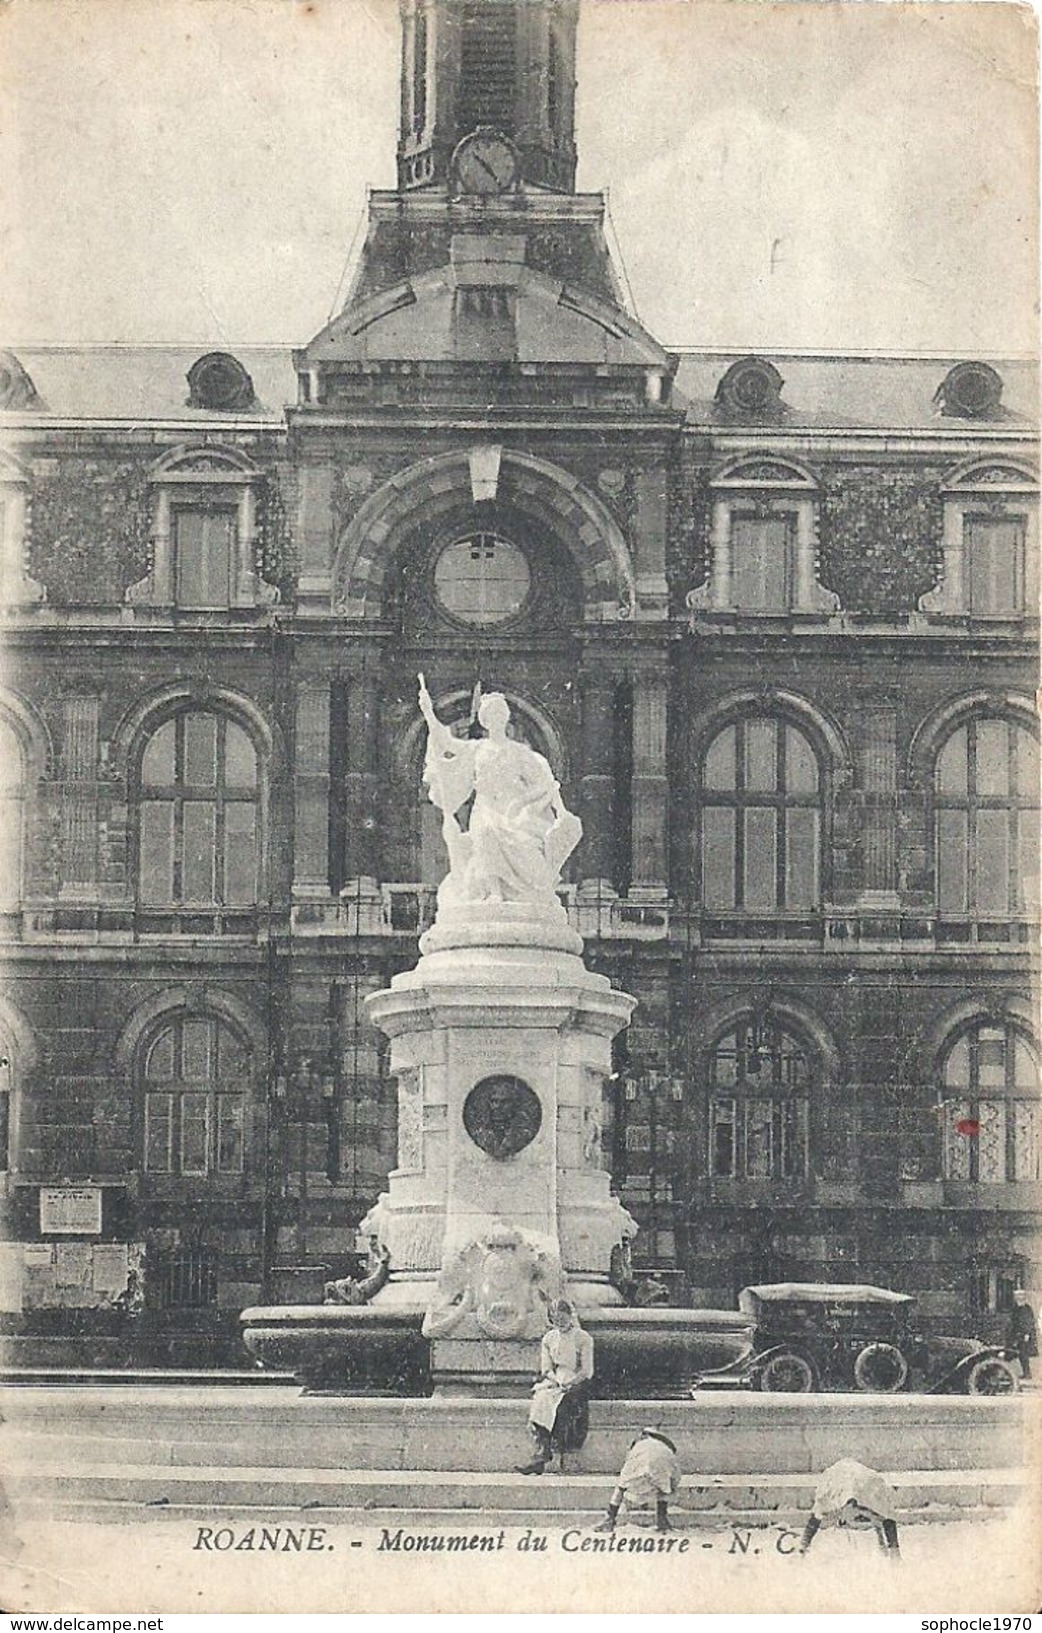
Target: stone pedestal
{"x": 500, "y": 1042}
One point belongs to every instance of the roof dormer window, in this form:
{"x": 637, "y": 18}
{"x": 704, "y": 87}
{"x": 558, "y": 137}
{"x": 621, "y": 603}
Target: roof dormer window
{"x": 971, "y": 391}
{"x": 219, "y": 382}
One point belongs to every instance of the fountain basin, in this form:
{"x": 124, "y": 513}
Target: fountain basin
{"x": 370, "y": 1349}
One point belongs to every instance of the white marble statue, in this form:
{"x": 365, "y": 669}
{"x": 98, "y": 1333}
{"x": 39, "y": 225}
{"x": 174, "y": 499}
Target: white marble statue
{"x": 520, "y": 833}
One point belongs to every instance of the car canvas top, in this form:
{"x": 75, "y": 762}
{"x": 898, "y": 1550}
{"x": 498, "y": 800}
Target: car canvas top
{"x": 817, "y": 1292}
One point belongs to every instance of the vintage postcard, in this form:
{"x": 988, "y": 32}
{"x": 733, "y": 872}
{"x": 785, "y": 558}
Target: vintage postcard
{"x": 519, "y": 806}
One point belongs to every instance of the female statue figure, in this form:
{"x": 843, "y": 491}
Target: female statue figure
{"x": 519, "y": 834}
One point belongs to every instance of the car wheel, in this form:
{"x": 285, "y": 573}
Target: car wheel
{"x": 880, "y": 1369}
{"x": 992, "y": 1376}
{"x": 787, "y": 1373}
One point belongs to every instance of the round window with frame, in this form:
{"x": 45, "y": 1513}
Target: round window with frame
{"x": 482, "y": 578}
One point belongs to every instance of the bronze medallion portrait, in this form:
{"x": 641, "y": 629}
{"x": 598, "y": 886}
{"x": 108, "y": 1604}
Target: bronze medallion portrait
{"x": 502, "y": 1115}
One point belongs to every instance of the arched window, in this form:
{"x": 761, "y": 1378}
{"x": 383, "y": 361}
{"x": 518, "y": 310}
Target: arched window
{"x": 196, "y": 1080}
{"x": 198, "y": 834}
{"x": 761, "y": 818}
{"x": 986, "y": 795}
{"x": 12, "y": 815}
{"x": 759, "y": 1084}
{"x": 991, "y": 1106}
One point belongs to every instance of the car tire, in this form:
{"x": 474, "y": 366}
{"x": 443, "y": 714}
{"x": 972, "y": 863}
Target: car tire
{"x": 991, "y": 1376}
{"x": 880, "y": 1369}
{"x": 787, "y": 1373}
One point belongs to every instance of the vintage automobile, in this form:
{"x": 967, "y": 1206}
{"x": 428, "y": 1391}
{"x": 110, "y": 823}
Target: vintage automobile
{"x": 814, "y": 1335}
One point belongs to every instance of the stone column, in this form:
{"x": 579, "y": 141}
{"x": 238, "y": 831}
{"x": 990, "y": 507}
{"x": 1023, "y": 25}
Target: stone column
{"x": 598, "y": 729}
{"x": 651, "y": 529}
{"x": 79, "y": 771}
{"x": 648, "y": 872}
{"x": 314, "y": 529}
{"x": 879, "y": 785}
{"x": 311, "y": 790}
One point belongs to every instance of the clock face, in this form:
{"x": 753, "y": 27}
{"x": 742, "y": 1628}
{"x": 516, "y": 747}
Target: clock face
{"x": 484, "y": 163}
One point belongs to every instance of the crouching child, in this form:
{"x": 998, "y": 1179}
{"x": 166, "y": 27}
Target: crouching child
{"x": 854, "y": 1497}
{"x": 650, "y": 1473}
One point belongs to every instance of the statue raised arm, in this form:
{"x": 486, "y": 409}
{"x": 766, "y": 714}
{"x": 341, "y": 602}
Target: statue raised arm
{"x": 519, "y": 833}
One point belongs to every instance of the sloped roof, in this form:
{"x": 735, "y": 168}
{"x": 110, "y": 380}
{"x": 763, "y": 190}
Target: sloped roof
{"x": 549, "y": 322}
{"x": 893, "y": 393}
{"x": 129, "y": 382}
{"x": 149, "y": 382}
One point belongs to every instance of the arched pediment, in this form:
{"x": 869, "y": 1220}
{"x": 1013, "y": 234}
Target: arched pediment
{"x": 201, "y": 462}
{"x": 995, "y": 476}
{"x": 764, "y": 471}
{"x": 580, "y": 521}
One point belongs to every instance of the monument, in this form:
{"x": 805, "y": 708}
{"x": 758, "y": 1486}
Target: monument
{"x": 500, "y": 1044}
{"x": 500, "y": 1200}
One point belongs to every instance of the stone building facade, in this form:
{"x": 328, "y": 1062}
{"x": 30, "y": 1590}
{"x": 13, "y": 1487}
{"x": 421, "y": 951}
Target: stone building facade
{"x": 772, "y": 619}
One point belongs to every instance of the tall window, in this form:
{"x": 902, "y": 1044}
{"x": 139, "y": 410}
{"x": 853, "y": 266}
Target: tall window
{"x": 204, "y": 549}
{"x": 198, "y": 842}
{"x": 487, "y": 92}
{"x": 196, "y": 1082}
{"x": 12, "y": 824}
{"x": 760, "y": 1078}
{"x": 419, "y": 70}
{"x": 994, "y": 551}
{"x": 763, "y": 573}
{"x": 761, "y": 819}
{"x": 991, "y": 1106}
{"x": 986, "y": 796}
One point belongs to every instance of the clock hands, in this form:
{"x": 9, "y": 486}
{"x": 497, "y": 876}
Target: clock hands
{"x": 486, "y": 167}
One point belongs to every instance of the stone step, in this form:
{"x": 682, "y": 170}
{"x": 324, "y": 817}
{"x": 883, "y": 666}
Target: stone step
{"x": 141, "y": 1377}
{"x": 784, "y": 1518}
{"x": 272, "y": 1426}
{"x": 220, "y": 1489}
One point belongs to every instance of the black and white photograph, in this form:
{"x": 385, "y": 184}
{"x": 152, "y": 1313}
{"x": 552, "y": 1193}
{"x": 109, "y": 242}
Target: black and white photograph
{"x": 519, "y": 807}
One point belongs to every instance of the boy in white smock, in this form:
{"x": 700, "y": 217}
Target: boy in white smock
{"x": 650, "y": 1474}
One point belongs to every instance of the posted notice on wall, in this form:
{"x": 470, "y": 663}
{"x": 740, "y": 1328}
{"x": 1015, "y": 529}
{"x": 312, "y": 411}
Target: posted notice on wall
{"x": 70, "y": 1210}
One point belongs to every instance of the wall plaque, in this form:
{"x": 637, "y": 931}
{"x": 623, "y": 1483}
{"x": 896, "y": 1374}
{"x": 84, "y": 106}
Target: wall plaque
{"x": 70, "y": 1210}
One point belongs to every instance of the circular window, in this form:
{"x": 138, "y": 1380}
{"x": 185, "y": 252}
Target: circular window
{"x": 502, "y": 1115}
{"x": 752, "y": 386}
{"x": 973, "y": 390}
{"x": 218, "y": 381}
{"x": 482, "y": 578}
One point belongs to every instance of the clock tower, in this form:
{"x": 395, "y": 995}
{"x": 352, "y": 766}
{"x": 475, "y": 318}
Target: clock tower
{"x": 502, "y": 66}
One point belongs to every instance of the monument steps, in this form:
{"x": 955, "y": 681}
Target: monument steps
{"x": 279, "y": 1429}
{"x": 217, "y": 1495}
